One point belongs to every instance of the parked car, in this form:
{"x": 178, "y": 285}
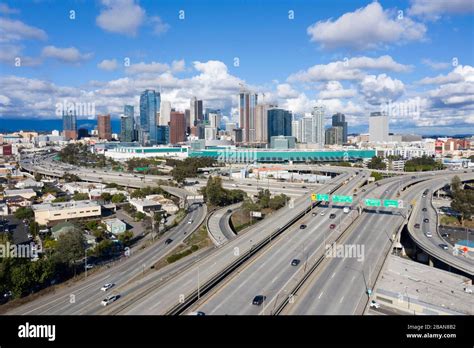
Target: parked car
{"x": 295, "y": 262}
{"x": 258, "y": 300}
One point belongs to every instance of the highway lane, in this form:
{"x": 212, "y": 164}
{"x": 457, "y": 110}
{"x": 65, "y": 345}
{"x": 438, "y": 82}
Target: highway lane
{"x": 431, "y": 244}
{"x": 341, "y": 285}
{"x": 171, "y": 293}
{"x": 86, "y": 292}
{"x": 271, "y": 272}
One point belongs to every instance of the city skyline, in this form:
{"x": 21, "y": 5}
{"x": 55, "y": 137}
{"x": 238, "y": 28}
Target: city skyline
{"x": 399, "y": 64}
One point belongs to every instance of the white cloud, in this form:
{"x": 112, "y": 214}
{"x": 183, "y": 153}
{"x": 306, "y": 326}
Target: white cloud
{"x": 434, "y": 9}
{"x": 156, "y": 67}
{"x": 108, "y": 65}
{"x": 15, "y": 30}
{"x": 381, "y": 89}
{"x": 284, "y": 90}
{"x": 435, "y": 65}
{"x": 159, "y": 27}
{"x": 460, "y": 73}
{"x": 10, "y": 53}
{"x": 5, "y": 9}
{"x": 66, "y": 55}
{"x": 121, "y": 16}
{"x": 366, "y": 28}
{"x": 334, "y": 89}
{"x": 346, "y": 70}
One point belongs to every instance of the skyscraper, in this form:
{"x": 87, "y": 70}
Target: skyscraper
{"x": 247, "y": 104}
{"x": 195, "y": 112}
{"x": 307, "y": 129}
{"x": 318, "y": 125}
{"x": 163, "y": 135}
{"x": 339, "y": 120}
{"x": 261, "y": 123}
{"x": 279, "y": 123}
{"x": 378, "y": 127}
{"x": 177, "y": 127}
{"x": 70, "y": 125}
{"x": 127, "y": 128}
{"x": 165, "y": 111}
{"x": 296, "y": 130}
{"x": 334, "y": 136}
{"x": 150, "y": 102}
{"x": 103, "y": 127}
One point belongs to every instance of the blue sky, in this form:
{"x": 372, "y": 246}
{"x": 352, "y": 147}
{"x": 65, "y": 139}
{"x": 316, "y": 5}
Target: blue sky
{"x": 350, "y": 56}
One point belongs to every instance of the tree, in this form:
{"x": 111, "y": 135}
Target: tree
{"x": 38, "y": 177}
{"x": 455, "y": 184}
{"x": 118, "y": 198}
{"x": 376, "y": 163}
{"x": 71, "y": 246}
{"x": 105, "y": 196}
{"x": 24, "y": 213}
{"x": 80, "y": 196}
{"x": 126, "y": 238}
{"x": 376, "y": 176}
{"x": 68, "y": 177}
{"x": 462, "y": 200}
{"x": 34, "y": 228}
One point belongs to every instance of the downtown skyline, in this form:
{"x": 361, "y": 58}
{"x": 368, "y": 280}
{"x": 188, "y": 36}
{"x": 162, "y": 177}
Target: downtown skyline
{"x": 351, "y": 57}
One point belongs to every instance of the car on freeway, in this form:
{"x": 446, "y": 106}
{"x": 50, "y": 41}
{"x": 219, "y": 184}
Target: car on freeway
{"x": 303, "y": 187}
{"x": 374, "y": 304}
{"x": 332, "y": 226}
{"x": 107, "y": 286}
{"x": 424, "y": 209}
{"x": 229, "y": 211}
{"x": 302, "y": 227}
{"x": 295, "y": 262}
{"x": 445, "y": 235}
{"x": 363, "y": 190}
{"x": 314, "y": 213}
{"x": 258, "y": 300}
{"x": 190, "y": 221}
{"x": 323, "y": 213}
{"x": 426, "y": 220}
{"x": 443, "y": 246}
{"x": 332, "y": 216}
{"x": 417, "y": 225}
{"x": 89, "y": 266}
{"x": 428, "y": 234}
{"x": 346, "y": 210}
{"x": 108, "y": 300}
{"x": 168, "y": 241}
{"x": 197, "y": 313}
{"x": 249, "y": 184}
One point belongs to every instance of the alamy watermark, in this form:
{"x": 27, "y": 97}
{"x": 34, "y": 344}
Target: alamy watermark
{"x": 410, "y": 108}
{"x": 24, "y": 251}
{"x": 356, "y": 251}
{"x": 237, "y": 156}
{"x": 75, "y": 108}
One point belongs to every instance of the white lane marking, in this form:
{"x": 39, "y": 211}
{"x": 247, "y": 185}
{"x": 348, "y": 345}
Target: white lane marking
{"x": 321, "y": 294}
{"x": 333, "y": 275}
{"x": 341, "y": 299}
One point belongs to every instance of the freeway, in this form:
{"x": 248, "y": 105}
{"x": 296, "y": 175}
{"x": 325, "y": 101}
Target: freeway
{"x": 270, "y": 273}
{"x": 86, "y": 293}
{"x": 341, "y": 286}
{"x": 163, "y": 297}
{"x": 218, "y": 225}
{"x": 430, "y": 245}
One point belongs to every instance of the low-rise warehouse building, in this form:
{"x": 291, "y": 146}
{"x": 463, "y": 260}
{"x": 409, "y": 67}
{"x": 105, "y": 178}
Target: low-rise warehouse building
{"x": 49, "y": 212}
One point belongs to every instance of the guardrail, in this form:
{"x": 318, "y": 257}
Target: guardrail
{"x": 194, "y": 296}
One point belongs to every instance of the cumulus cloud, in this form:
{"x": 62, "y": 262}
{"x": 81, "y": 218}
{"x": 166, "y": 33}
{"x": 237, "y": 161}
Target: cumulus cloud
{"x": 381, "y": 89}
{"x": 348, "y": 69}
{"x": 15, "y": 30}
{"x": 459, "y": 74}
{"x": 156, "y": 67}
{"x": 435, "y": 65}
{"x": 334, "y": 89}
{"x": 284, "y": 90}
{"x": 159, "y": 27}
{"x": 121, "y": 16}
{"x": 5, "y": 9}
{"x": 366, "y": 28}
{"x": 66, "y": 55}
{"x": 434, "y": 9}
{"x": 108, "y": 65}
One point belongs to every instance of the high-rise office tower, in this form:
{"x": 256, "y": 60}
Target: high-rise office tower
{"x": 165, "y": 112}
{"x": 279, "y": 123}
{"x": 378, "y": 127}
{"x": 214, "y": 117}
{"x": 334, "y": 136}
{"x": 247, "y": 104}
{"x": 150, "y": 103}
{"x": 70, "y": 125}
{"x": 177, "y": 127}
{"x": 163, "y": 135}
{"x": 187, "y": 116}
{"x": 339, "y": 120}
{"x": 307, "y": 129}
{"x": 296, "y": 130}
{"x": 261, "y": 123}
{"x": 127, "y": 124}
{"x": 104, "y": 127}
{"x": 195, "y": 112}
{"x": 318, "y": 125}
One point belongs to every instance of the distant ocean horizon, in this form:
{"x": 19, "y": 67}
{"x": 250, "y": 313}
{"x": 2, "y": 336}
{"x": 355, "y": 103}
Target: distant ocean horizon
{"x": 46, "y": 126}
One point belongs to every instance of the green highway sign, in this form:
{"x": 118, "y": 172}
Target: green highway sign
{"x": 370, "y": 202}
{"x": 392, "y": 203}
{"x": 322, "y": 197}
{"x": 341, "y": 199}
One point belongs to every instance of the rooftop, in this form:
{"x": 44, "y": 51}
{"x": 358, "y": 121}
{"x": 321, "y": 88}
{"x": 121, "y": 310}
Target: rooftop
{"x": 64, "y": 205}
